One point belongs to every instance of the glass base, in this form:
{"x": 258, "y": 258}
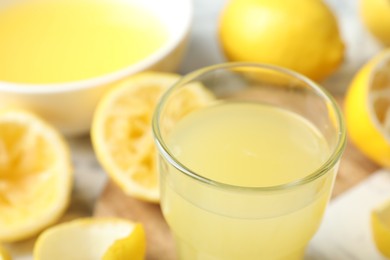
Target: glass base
{"x": 186, "y": 251}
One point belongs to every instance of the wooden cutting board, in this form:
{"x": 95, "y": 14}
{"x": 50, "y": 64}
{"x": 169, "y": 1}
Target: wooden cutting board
{"x": 354, "y": 168}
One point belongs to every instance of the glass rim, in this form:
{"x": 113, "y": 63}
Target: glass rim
{"x": 325, "y": 167}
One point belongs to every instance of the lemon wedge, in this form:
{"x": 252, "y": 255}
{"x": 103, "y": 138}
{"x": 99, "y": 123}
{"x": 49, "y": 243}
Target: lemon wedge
{"x": 380, "y": 224}
{"x": 35, "y": 175}
{"x": 122, "y": 133}
{"x": 91, "y": 239}
{"x": 367, "y": 109}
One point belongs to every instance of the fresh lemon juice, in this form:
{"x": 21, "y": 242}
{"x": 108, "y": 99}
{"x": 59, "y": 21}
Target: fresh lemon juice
{"x": 61, "y": 41}
{"x": 246, "y": 145}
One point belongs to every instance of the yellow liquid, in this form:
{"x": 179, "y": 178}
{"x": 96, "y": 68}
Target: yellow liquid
{"x": 246, "y": 145}
{"x": 62, "y": 41}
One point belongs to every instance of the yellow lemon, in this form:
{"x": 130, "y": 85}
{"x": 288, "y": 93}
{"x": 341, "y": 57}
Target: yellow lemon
{"x": 367, "y": 109}
{"x": 122, "y": 133}
{"x": 380, "y": 225}
{"x": 4, "y": 255}
{"x": 35, "y": 175}
{"x": 91, "y": 239}
{"x": 376, "y": 17}
{"x": 302, "y": 35}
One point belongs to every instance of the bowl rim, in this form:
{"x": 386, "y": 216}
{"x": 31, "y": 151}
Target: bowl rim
{"x": 48, "y": 88}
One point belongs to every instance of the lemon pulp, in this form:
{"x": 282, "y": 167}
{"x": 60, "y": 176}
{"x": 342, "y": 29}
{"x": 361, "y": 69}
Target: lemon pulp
{"x": 61, "y": 41}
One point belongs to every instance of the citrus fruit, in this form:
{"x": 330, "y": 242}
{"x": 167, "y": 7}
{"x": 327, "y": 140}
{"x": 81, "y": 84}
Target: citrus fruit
{"x": 35, "y": 175}
{"x": 375, "y": 15}
{"x": 302, "y": 35}
{"x": 367, "y": 109}
{"x": 122, "y": 133}
{"x": 92, "y": 238}
{"x": 380, "y": 226}
{"x": 4, "y": 255}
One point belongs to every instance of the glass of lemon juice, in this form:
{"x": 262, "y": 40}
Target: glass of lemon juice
{"x": 248, "y": 174}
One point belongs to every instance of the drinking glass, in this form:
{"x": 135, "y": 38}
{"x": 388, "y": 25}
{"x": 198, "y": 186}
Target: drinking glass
{"x": 248, "y": 173}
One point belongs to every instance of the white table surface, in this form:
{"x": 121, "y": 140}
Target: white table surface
{"x": 333, "y": 241}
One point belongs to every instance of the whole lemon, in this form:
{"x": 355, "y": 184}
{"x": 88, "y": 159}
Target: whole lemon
{"x": 302, "y": 35}
{"x": 376, "y": 17}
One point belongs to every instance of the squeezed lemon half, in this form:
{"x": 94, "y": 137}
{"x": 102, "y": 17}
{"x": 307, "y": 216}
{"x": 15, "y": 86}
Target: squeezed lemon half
{"x": 122, "y": 132}
{"x": 91, "y": 239}
{"x": 367, "y": 109}
{"x": 35, "y": 175}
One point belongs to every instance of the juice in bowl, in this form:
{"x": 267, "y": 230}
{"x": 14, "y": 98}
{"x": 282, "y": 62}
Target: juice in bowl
{"x": 70, "y": 40}
{"x": 249, "y": 175}
{"x": 58, "y": 57}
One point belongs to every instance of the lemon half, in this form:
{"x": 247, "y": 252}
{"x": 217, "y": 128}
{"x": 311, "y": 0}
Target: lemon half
{"x": 367, "y": 109}
{"x": 122, "y": 132}
{"x": 35, "y": 175}
{"x": 91, "y": 239}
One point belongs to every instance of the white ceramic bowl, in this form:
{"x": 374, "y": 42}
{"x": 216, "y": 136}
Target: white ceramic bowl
{"x": 70, "y": 106}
